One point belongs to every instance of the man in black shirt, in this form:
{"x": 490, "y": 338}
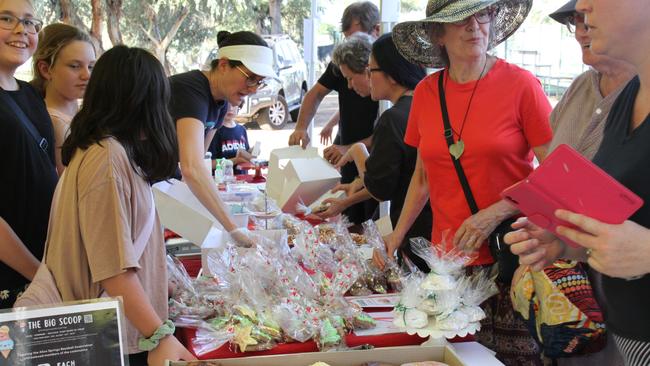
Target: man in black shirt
{"x": 356, "y": 116}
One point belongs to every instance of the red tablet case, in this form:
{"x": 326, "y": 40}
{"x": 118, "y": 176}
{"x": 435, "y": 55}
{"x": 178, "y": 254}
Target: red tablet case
{"x": 567, "y": 180}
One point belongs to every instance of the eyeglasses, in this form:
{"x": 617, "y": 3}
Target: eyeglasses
{"x": 482, "y": 17}
{"x": 10, "y": 22}
{"x": 575, "y": 20}
{"x": 251, "y": 80}
{"x": 370, "y": 70}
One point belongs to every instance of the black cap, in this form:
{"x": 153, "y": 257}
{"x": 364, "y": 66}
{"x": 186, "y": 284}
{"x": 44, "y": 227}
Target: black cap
{"x": 564, "y": 12}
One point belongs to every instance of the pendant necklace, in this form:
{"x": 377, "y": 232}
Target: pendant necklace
{"x": 457, "y": 148}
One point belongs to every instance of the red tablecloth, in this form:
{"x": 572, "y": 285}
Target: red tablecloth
{"x": 185, "y": 335}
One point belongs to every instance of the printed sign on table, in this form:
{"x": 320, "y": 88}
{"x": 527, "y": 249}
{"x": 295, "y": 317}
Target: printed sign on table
{"x": 87, "y": 333}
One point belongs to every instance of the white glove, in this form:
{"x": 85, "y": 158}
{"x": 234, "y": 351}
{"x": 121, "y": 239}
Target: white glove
{"x": 243, "y": 237}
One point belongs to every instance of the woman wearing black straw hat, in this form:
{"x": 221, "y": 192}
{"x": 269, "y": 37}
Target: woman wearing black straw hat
{"x": 479, "y": 120}
{"x": 200, "y": 102}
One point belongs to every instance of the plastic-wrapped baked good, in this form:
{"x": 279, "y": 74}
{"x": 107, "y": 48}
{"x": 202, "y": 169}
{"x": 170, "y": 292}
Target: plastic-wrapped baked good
{"x": 326, "y": 234}
{"x": 454, "y": 321}
{"x": 359, "y": 288}
{"x": 410, "y": 318}
{"x": 328, "y": 337}
{"x": 393, "y": 278}
{"x": 439, "y": 282}
{"x": 441, "y": 303}
{"x": 473, "y": 313}
{"x": 363, "y": 321}
{"x": 375, "y": 279}
{"x": 359, "y": 238}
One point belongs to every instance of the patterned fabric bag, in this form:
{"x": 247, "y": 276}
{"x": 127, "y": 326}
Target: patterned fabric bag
{"x": 559, "y": 308}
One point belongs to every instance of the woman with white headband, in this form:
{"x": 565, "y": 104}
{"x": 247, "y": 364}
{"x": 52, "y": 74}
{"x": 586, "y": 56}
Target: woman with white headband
{"x": 200, "y": 102}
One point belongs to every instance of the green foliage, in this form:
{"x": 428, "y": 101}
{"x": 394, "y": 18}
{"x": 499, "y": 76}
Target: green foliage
{"x": 407, "y": 6}
{"x": 197, "y": 35}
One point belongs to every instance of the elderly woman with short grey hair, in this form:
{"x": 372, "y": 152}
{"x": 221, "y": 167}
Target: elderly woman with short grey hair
{"x": 477, "y": 124}
{"x": 351, "y": 56}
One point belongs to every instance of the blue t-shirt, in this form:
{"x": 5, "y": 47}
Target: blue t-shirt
{"x": 226, "y": 142}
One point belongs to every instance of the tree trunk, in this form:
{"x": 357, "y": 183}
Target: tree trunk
{"x": 160, "y": 46}
{"x": 276, "y": 17}
{"x": 113, "y": 15}
{"x": 68, "y": 16}
{"x": 96, "y": 25}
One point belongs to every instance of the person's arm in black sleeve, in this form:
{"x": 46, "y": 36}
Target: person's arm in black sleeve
{"x": 384, "y": 163}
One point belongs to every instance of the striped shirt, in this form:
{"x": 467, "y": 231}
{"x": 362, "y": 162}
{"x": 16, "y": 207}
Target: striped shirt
{"x": 635, "y": 353}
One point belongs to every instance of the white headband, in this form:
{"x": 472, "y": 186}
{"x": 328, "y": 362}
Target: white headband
{"x": 258, "y": 59}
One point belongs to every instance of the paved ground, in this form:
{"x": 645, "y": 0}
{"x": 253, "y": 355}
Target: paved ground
{"x": 276, "y": 139}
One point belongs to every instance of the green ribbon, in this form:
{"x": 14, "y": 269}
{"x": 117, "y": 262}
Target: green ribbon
{"x": 165, "y": 329}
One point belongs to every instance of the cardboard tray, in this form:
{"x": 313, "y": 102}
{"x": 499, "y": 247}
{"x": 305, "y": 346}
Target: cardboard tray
{"x": 394, "y": 355}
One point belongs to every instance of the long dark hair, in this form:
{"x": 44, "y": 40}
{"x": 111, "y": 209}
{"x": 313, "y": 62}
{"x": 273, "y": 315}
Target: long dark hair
{"x": 127, "y": 98}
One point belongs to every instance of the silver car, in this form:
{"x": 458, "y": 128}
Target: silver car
{"x": 272, "y": 106}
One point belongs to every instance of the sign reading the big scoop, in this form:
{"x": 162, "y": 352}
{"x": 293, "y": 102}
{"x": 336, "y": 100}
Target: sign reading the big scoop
{"x": 72, "y": 335}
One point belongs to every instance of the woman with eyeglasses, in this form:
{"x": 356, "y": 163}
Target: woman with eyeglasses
{"x": 199, "y": 104}
{"x": 579, "y": 117}
{"x": 621, "y": 253}
{"x": 379, "y": 71}
{"x": 26, "y": 154}
{"x": 579, "y": 120}
{"x": 61, "y": 67}
{"x": 486, "y": 117}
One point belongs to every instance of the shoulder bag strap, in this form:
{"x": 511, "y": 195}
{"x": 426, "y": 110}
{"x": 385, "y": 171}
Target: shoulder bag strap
{"x": 22, "y": 117}
{"x": 449, "y": 137}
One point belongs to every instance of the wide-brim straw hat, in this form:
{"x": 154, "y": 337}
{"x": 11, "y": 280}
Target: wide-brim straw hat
{"x": 561, "y": 14}
{"x": 414, "y": 42}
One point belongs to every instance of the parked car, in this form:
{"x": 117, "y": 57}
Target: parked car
{"x": 272, "y": 105}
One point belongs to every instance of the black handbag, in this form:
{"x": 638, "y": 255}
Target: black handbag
{"x": 506, "y": 262}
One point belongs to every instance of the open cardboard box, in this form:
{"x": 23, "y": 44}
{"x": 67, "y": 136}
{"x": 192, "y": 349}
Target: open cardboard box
{"x": 391, "y": 355}
{"x": 181, "y": 212}
{"x": 298, "y": 175}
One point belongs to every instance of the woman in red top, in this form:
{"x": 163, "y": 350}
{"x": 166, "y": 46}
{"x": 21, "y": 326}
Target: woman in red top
{"x": 499, "y": 119}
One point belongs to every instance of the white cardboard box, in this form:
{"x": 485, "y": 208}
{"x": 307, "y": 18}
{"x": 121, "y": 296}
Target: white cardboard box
{"x": 180, "y": 211}
{"x": 391, "y": 355}
{"x": 297, "y": 175}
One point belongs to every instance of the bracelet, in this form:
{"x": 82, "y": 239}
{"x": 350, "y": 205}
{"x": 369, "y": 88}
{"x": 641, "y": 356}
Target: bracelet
{"x": 165, "y": 329}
